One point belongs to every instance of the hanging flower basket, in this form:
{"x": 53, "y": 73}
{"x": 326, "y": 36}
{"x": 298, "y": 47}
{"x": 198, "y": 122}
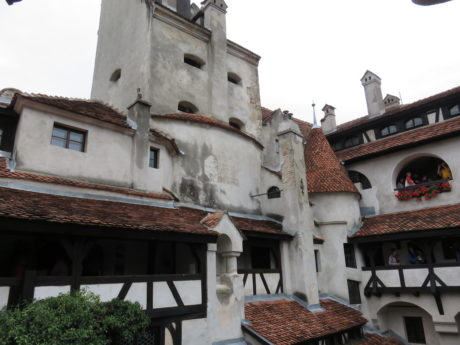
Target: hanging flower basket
{"x": 424, "y": 192}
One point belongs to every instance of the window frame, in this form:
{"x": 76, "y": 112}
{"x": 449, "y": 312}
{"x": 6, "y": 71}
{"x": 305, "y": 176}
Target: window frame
{"x": 422, "y": 122}
{"x": 354, "y": 294}
{"x": 389, "y": 127}
{"x": 67, "y": 139}
{"x": 353, "y": 140}
{"x": 420, "y": 337}
{"x": 2, "y": 131}
{"x": 154, "y": 162}
{"x": 350, "y": 255}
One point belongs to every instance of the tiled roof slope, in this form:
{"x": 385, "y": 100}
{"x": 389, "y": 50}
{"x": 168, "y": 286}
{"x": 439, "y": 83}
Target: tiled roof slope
{"x": 436, "y": 218}
{"x": 324, "y": 172}
{"x": 106, "y": 214}
{"x": 284, "y": 322}
{"x": 89, "y": 108}
{"x": 395, "y": 110}
{"x": 206, "y": 120}
{"x": 374, "y": 339}
{"x": 259, "y": 226}
{"x": 402, "y": 140}
{"x": 6, "y": 173}
{"x": 267, "y": 115}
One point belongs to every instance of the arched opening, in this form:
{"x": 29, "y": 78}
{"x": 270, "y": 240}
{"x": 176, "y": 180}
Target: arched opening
{"x": 273, "y": 193}
{"x": 224, "y": 245}
{"x": 187, "y": 107}
{"x": 194, "y": 61}
{"x": 234, "y": 78}
{"x": 236, "y": 123}
{"x": 409, "y": 321}
{"x": 357, "y": 177}
{"x": 425, "y": 169}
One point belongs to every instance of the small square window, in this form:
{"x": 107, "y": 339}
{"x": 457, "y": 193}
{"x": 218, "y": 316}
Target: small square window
{"x": 154, "y": 158}
{"x": 414, "y": 330}
{"x": 68, "y": 138}
{"x": 353, "y": 292}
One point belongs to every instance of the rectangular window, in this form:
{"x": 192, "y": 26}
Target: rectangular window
{"x": 154, "y": 159}
{"x": 68, "y": 138}
{"x": 353, "y": 292}
{"x": 350, "y": 258}
{"x": 260, "y": 257}
{"x": 414, "y": 330}
{"x": 317, "y": 262}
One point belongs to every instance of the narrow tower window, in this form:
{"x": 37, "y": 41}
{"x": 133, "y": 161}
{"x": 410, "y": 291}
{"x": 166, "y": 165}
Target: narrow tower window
{"x": 116, "y": 75}
{"x": 234, "y": 78}
{"x": 187, "y": 107}
{"x": 194, "y": 61}
{"x": 234, "y": 122}
{"x": 154, "y": 158}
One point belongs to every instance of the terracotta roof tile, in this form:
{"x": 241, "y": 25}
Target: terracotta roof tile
{"x": 6, "y": 173}
{"x": 212, "y": 220}
{"x": 159, "y": 134}
{"x": 259, "y": 226}
{"x": 324, "y": 172}
{"x": 108, "y": 214}
{"x": 399, "y": 141}
{"x": 207, "y": 121}
{"x": 375, "y": 339}
{"x": 284, "y": 322}
{"x": 436, "y": 218}
{"x": 395, "y": 111}
{"x": 267, "y": 115}
{"x": 89, "y": 108}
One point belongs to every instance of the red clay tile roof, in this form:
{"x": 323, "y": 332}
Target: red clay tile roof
{"x": 6, "y": 173}
{"x": 159, "y": 134}
{"x": 436, "y": 218}
{"x": 267, "y": 115}
{"x": 284, "y": 322}
{"x": 395, "y": 111}
{"x": 324, "y": 172}
{"x": 212, "y": 220}
{"x": 206, "y": 120}
{"x": 89, "y": 108}
{"x": 107, "y": 214}
{"x": 400, "y": 141}
{"x": 259, "y": 226}
{"x": 375, "y": 339}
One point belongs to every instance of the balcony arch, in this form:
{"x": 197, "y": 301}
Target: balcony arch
{"x": 423, "y": 168}
{"x": 357, "y": 177}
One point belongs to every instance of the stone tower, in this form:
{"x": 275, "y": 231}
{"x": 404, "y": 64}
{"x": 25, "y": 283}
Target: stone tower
{"x": 180, "y": 58}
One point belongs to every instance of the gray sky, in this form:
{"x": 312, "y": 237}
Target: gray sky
{"x": 310, "y": 49}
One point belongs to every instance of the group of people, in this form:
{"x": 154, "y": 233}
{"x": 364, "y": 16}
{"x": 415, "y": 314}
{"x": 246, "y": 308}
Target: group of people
{"x": 416, "y": 257}
{"x": 410, "y": 179}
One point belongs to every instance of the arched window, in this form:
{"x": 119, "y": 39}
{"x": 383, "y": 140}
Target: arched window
{"x": 388, "y": 130}
{"x": 357, "y": 177}
{"x": 414, "y": 122}
{"x": 234, "y": 78}
{"x": 187, "y": 107}
{"x": 424, "y": 170}
{"x": 234, "y": 122}
{"x": 194, "y": 61}
{"x": 116, "y": 75}
{"x": 273, "y": 193}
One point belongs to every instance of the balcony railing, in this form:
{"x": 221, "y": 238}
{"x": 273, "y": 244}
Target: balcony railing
{"x": 426, "y": 190}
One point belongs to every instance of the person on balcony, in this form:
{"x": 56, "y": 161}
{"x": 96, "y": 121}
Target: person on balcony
{"x": 409, "y": 181}
{"x": 413, "y": 257}
{"x": 393, "y": 259}
{"x": 444, "y": 171}
{"x": 400, "y": 183}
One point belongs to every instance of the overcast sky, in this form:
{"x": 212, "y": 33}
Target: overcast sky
{"x": 311, "y": 50}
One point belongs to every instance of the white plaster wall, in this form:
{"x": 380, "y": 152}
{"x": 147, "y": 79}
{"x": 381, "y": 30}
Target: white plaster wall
{"x": 161, "y": 177}
{"x": 107, "y": 292}
{"x": 195, "y": 332}
{"x": 244, "y": 99}
{"x": 333, "y": 207}
{"x": 382, "y": 172}
{"x": 42, "y": 292}
{"x": 219, "y": 168}
{"x": 138, "y": 293}
{"x": 272, "y": 280}
{"x": 393, "y": 319}
{"x": 34, "y": 151}
{"x": 270, "y": 207}
{"x": 4, "y": 294}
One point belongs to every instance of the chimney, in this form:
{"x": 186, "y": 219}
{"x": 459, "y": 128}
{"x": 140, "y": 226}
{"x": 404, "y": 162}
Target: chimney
{"x": 328, "y": 123}
{"x": 391, "y": 101}
{"x": 373, "y": 92}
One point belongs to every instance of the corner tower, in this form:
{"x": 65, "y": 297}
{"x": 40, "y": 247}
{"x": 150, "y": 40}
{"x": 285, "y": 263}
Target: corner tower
{"x": 179, "y": 56}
